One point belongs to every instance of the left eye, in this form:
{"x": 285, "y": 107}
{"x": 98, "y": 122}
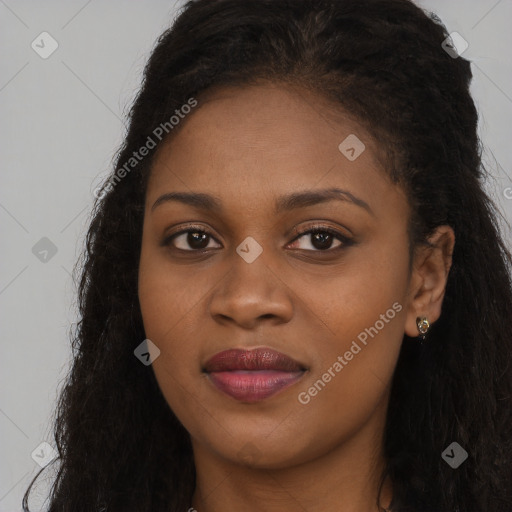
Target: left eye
{"x": 321, "y": 239}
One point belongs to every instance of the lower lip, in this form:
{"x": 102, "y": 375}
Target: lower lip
{"x": 253, "y": 386}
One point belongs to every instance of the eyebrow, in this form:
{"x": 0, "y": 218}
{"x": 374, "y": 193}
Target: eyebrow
{"x": 284, "y": 203}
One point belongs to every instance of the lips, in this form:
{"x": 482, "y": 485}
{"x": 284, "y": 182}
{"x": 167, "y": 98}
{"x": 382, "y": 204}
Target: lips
{"x": 252, "y": 375}
{"x": 258, "y": 359}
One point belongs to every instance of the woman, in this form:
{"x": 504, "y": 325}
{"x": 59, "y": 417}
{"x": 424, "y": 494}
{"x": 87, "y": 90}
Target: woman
{"x": 295, "y": 295}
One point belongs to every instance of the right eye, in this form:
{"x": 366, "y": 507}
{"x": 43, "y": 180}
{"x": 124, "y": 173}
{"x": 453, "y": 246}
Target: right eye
{"x": 192, "y": 239}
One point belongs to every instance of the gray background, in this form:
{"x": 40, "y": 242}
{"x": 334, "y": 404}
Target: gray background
{"x": 61, "y": 122}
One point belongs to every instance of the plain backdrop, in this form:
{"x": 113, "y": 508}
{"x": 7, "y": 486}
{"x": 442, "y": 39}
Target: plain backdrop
{"x": 61, "y": 121}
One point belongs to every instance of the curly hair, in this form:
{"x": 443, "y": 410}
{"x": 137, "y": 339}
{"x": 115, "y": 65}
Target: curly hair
{"x": 120, "y": 445}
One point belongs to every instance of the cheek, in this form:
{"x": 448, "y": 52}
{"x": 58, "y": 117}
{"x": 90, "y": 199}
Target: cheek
{"x": 364, "y": 311}
{"x": 355, "y": 296}
{"x": 166, "y": 309}
{"x": 352, "y": 378}
{"x": 169, "y": 297}
{"x": 172, "y": 302}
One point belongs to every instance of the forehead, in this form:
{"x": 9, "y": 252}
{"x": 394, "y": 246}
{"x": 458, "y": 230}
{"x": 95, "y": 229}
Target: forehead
{"x": 266, "y": 140}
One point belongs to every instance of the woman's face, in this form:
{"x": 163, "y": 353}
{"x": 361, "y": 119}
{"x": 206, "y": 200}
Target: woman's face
{"x": 235, "y": 272}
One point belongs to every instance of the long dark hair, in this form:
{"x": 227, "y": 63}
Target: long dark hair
{"x": 121, "y": 447}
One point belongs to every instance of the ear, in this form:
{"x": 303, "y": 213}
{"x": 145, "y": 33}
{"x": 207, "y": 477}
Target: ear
{"x": 429, "y": 275}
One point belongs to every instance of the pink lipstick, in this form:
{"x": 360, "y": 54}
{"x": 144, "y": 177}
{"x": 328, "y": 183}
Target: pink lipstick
{"x": 252, "y": 375}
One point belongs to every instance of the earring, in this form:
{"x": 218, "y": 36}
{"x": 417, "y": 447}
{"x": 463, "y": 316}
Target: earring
{"x": 423, "y": 326}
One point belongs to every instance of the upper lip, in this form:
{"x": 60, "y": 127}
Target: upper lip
{"x": 256, "y": 359}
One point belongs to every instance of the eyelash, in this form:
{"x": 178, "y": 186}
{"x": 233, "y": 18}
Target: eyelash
{"x": 317, "y": 228}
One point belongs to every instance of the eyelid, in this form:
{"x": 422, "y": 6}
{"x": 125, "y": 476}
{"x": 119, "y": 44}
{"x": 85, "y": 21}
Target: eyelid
{"x": 298, "y": 232}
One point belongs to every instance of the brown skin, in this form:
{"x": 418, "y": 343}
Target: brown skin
{"x": 248, "y": 146}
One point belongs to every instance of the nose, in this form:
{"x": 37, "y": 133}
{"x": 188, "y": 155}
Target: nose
{"x": 251, "y": 293}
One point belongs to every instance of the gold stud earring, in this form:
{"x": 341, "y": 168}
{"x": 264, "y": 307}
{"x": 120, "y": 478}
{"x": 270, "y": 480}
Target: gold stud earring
{"x": 423, "y": 326}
